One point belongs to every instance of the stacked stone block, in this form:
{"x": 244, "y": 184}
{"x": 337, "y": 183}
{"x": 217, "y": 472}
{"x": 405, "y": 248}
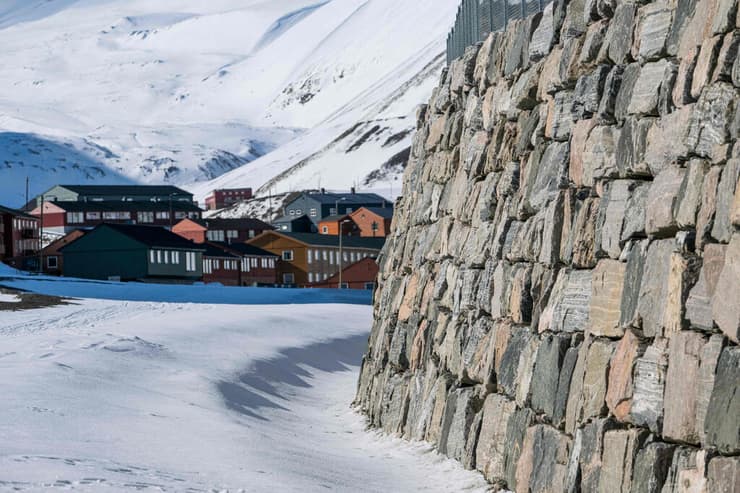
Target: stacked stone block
{"x": 559, "y": 302}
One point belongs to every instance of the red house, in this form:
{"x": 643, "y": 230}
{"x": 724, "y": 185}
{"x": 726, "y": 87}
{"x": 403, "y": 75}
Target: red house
{"x": 220, "y": 230}
{"x": 64, "y": 217}
{"x": 220, "y": 199}
{"x": 221, "y": 266}
{"x": 258, "y": 266}
{"x": 19, "y": 235}
{"x": 360, "y": 275}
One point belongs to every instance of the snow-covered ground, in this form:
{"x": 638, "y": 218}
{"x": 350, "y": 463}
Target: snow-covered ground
{"x": 310, "y": 93}
{"x": 119, "y": 396}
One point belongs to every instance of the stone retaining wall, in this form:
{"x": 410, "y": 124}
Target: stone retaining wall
{"x": 559, "y": 302}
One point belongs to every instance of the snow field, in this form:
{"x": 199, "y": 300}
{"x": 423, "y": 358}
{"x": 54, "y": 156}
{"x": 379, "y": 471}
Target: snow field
{"x": 119, "y": 396}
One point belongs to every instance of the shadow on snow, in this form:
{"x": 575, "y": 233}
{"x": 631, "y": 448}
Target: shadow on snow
{"x": 266, "y": 384}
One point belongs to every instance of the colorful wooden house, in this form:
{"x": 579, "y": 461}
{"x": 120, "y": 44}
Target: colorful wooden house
{"x": 308, "y": 258}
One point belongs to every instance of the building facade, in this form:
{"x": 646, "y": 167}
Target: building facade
{"x": 20, "y": 234}
{"x": 221, "y": 266}
{"x": 308, "y": 258}
{"x": 63, "y": 217}
{"x": 112, "y": 193}
{"x": 220, "y": 230}
{"x": 373, "y": 222}
{"x": 220, "y": 199}
{"x": 258, "y": 266}
{"x": 133, "y": 252}
{"x": 318, "y": 206}
{"x": 295, "y": 224}
{"x": 360, "y": 275}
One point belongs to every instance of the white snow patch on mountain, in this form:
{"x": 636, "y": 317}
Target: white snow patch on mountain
{"x": 185, "y": 91}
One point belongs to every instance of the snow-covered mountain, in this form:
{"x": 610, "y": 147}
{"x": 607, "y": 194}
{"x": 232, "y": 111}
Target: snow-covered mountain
{"x": 279, "y": 95}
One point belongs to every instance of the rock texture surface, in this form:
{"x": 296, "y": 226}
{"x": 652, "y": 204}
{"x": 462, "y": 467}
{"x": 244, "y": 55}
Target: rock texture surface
{"x": 559, "y": 302}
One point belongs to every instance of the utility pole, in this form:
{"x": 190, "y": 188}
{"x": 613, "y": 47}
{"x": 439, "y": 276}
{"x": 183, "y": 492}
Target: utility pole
{"x": 41, "y": 237}
{"x": 171, "y": 212}
{"x": 341, "y": 258}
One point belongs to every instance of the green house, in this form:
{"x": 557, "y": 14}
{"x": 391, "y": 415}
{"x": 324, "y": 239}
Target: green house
{"x": 133, "y": 252}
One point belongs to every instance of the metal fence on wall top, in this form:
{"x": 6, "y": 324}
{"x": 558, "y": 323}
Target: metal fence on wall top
{"x": 477, "y": 18}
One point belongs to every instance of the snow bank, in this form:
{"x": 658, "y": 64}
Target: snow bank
{"x": 211, "y": 294}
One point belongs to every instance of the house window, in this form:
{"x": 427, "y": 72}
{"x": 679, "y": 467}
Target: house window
{"x": 310, "y": 277}
{"x": 331, "y": 257}
{"x": 288, "y": 255}
{"x": 292, "y": 212}
{"x": 325, "y": 255}
{"x": 344, "y": 285}
{"x": 245, "y": 265}
{"x": 254, "y": 262}
{"x": 159, "y": 256}
{"x": 231, "y": 234}
{"x": 93, "y": 216}
{"x": 352, "y": 257}
{"x": 52, "y": 262}
{"x": 288, "y": 278}
{"x": 207, "y": 266}
{"x": 176, "y": 258}
{"x": 75, "y": 217}
{"x": 325, "y": 230}
{"x": 299, "y": 212}
{"x": 163, "y": 215}
{"x": 117, "y": 216}
{"x": 146, "y": 217}
{"x": 314, "y": 213}
{"x": 251, "y": 233}
{"x": 309, "y": 255}
{"x": 152, "y": 256}
{"x": 190, "y": 261}
{"x": 349, "y": 210}
{"x": 344, "y": 257}
{"x": 332, "y": 211}
{"x": 180, "y": 215}
{"x": 166, "y": 257}
{"x": 215, "y": 235}
{"x": 370, "y": 286}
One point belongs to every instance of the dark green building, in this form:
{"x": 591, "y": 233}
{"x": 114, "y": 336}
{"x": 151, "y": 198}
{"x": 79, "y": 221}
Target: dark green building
{"x": 133, "y": 252}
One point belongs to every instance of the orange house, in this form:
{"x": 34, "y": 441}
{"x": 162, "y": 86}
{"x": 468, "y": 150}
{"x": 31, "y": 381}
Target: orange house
{"x": 331, "y": 225}
{"x": 373, "y": 222}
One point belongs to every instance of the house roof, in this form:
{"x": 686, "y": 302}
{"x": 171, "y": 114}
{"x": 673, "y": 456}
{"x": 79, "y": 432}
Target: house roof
{"x": 315, "y": 239}
{"x": 16, "y": 212}
{"x": 151, "y": 236}
{"x": 242, "y": 224}
{"x": 384, "y": 212}
{"x": 215, "y": 250}
{"x": 127, "y": 206}
{"x": 125, "y": 189}
{"x": 334, "y": 218}
{"x": 245, "y": 249}
{"x": 346, "y": 198}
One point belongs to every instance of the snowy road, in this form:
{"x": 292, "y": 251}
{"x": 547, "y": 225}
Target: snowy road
{"x": 122, "y": 396}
